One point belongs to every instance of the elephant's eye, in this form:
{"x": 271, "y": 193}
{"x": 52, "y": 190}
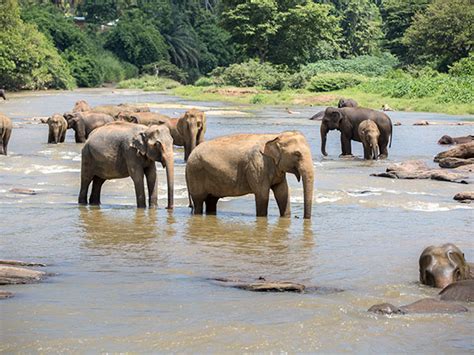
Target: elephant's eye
{"x": 297, "y": 154}
{"x": 457, "y": 274}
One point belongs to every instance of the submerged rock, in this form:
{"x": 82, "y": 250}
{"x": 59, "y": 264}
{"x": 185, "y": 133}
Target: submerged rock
{"x": 10, "y": 275}
{"x": 5, "y": 294}
{"x": 464, "y": 196}
{"x": 20, "y": 263}
{"x": 22, "y": 191}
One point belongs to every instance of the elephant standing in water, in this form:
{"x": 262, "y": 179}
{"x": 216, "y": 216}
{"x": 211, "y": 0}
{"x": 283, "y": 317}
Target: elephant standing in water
{"x": 145, "y": 118}
{"x": 369, "y": 135}
{"x": 347, "y": 103}
{"x": 112, "y": 110}
{"x": 123, "y": 149}
{"x": 347, "y": 121}
{"x": 57, "y": 129}
{"x": 5, "y": 133}
{"x": 241, "y": 164}
{"x": 83, "y": 123}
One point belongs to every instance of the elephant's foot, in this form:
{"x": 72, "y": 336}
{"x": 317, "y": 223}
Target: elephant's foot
{"x": 383, "y": 156}
{"x": 346, "y": 156}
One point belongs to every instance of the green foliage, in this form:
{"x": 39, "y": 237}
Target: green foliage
{"x": 397, "y": 16}
{"x": 364, "y": 65}
{"x": 426, "y": 83}
{"x": 136, "y": 40}
{"x": 251, "y": 74}
{"x": 442, "y": 34}
{"x": 85, "y": 69}
{"x": 334, "y": 81}
{"x": 203, "y": 81}
{"x": 149, "y": 83}
{"x": 463, "y": 67}
{"x": 28, "y": 60}
{"x": 114, "y": 70}
{"x": 167, "y": 70}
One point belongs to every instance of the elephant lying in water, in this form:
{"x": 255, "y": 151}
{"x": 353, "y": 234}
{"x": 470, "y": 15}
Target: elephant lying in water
{"x": 243, "y": 164}
{"x": 5, "y": 133}
{"x": 443, "y": 267}
{"x": 455, "y": 140}
{"x": 57, "y": 129}
{"x": 123, "y": 149}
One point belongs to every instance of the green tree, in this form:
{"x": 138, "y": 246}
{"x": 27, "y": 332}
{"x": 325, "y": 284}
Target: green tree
{"x": 252, "y": 24}
{"x": 28, "y": 60}
{"x": 306, "y": 33}
{"x": 397, "y": 16}
{"x": 361, "y": 28}
{"x": 441, "y": 35}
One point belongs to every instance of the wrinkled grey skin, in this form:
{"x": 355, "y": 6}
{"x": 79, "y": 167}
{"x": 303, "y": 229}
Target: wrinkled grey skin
{"x": 347, "y": 121}
{"x": 440, "y": 266}
{"x": 5, "y": 133}
{"x": 123, "y": 149}
{"x": 242, "y": 164}
{"x": 83, "y": 123}
{"x": 346, "y": 103}
{"x": 3, "y": 94}
{"x": 455, "y": 140}
{"x": 369, "y": 135}
{"x": 57, "y": 129}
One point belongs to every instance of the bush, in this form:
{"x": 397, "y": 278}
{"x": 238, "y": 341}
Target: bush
{"x": 463, "y": 67}
{"x": 203, "y": 81}
{"x": 251, "y": 74}
{"x": 149, "y": 83}
{"x": 115, "y": 70}
{"x": 334, "y": 81}
{"x": 167, "y": 70}
{"x": 364, "y": 65}
{"x": 86, "y": 69}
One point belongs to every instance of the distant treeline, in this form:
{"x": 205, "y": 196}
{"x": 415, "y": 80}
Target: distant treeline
{"x": 68, "y": 43}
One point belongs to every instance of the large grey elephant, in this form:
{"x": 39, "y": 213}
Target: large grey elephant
{"x": 347, "y": 121}
{"x": 112, "y": 110}
{"x": 145, "y": 118}
{"x": 83, "y": 123}
{"x": 57, "y": 129}
{"x": 123, "y": 149}
{"x": 369, "y": 135}
{"x": 243, "y": 164}
{"x": 5, "y": 133}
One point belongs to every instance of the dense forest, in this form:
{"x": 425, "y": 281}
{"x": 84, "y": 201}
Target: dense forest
{"x": 268, "y": 43}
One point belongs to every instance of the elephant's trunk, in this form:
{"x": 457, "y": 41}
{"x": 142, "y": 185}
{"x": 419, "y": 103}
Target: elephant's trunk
{"x": 170, "y": 180}
{"x": 324, "y": 133}
{"x": 307, "y": 175}
{"x": 56, "y": 135}
{"x": 194, "y": 133}
{"x": 375, "y": 151}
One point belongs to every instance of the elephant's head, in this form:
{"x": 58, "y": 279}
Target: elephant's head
{"x": 81, "y": 106}
{"x": 443, "y": 265}
{"x": 156, "y": 144}
{"x": 71, "y": 118}
{"x": 127, "y": 117}
{"x": 192, "y": 127}
{"x": 55, "y": 123}
{"x": 346, "y": 103}
{"x": 446, "y": 140}
{"x": 331, "y": 120}
{"x": 291, "y": 154}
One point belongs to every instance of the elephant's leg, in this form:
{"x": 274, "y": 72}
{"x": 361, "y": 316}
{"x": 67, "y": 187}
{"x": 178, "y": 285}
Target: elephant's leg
{"x": 97, "y": 183}
{"x": 346, "y": 145}
{"x": 6, "y": 139}
{"x": 62, "y": 137}
{"x": 211, "y": 204}
{"x": 198, "y": 203}
{"x": 261, "y": 202}
{"x": 50, "y": 137}
{"x": 152, "y": 183}
{"x": 383, "y": 146}
{"x": 187, "y": 151}
{"x": 86, "y": 179}
{"x": 282, "y": 197}
{"x": 137, "y": 176}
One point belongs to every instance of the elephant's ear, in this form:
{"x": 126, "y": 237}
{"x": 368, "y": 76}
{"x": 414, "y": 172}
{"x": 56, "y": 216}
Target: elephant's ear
{"x": 272, "y": 150}
{"x": 139, "y": 143}
{"x": 458, "y": 259}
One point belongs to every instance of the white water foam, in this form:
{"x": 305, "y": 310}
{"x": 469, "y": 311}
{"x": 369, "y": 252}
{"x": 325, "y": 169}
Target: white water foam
{"x": 50, "y": 169}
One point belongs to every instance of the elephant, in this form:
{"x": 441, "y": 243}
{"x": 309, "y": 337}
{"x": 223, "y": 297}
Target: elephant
{"x": 112, "y": 110}
{"x": 81, "y": 106}
{"x": 57, "y": 129}
{"x": 241, "y": 164}
{"x": 2, "y": 94}
{"x": 347, "y": 121}
{"x": 122, "y": 149}
{"x": 442, "y": 267}
{"x": 455, "y": 140}
{"x": 5, "y": 133}
{"x": 188, "y": 131}
{"x": 83, "y": 123}
{"x": 346, "y": 103}
{"x": 369, "y": 135}
{"x": 145, "y": 118}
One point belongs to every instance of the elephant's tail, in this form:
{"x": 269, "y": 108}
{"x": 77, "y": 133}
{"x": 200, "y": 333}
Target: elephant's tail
{"x": 391, "y": 136}
{"x": 189, "y": 195}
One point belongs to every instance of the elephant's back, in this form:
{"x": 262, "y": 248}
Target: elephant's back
{"x": 112, "y": 135}
{"x": 5, "y": 122}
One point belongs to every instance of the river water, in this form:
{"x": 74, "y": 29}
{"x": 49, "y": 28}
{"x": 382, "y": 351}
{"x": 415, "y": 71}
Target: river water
{"x": 137, "y": 280}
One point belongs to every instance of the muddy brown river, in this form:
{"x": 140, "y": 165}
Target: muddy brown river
{"x": 131, "y": 280}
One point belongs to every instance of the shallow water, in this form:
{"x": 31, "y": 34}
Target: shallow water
{"x": 136, "y": 280}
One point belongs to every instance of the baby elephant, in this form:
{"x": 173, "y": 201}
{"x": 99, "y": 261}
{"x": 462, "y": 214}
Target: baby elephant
{"x": 369, "y": 136}
{"x": 57, "y": 129}
{"x": 5, "y": 132}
